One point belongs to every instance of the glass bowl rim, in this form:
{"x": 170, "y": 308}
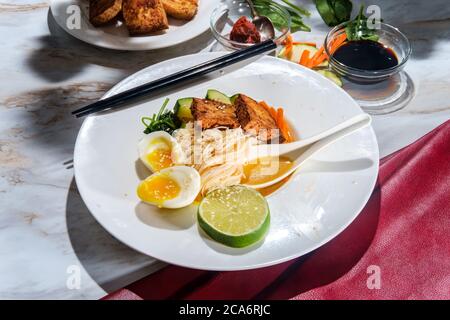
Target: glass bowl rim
{"x": 235, "y": 44}
{"x": 368, "y": 73}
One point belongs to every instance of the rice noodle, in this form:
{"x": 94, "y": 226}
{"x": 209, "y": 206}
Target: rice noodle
{"x": 218, "y": 154}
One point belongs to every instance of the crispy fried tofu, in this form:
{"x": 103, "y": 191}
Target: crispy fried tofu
{"x": 103, "y": 11}
{"x": 214, "y": 114}
{"x": 257, "y": 120}
{"x": 181, "y": 9}
{"x": 144, "y": 16}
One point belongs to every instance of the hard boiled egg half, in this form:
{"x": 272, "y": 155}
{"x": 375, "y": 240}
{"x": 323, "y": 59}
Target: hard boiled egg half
{"x": 172, "y": 188}
{"x": 159, "y": 150}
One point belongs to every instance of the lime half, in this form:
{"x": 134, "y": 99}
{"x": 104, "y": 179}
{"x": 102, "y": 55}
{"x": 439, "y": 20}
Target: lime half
{"x": 236, "y": 216}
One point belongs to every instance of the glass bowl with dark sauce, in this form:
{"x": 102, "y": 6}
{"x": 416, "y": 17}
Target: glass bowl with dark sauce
{"x": 367, "y": 61}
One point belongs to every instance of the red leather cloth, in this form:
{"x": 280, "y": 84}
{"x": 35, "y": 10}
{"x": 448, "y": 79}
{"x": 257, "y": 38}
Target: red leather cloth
{"x": 404, "y": 230}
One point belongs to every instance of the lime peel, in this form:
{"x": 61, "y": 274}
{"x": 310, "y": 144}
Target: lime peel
{"x": 235, "y": 216}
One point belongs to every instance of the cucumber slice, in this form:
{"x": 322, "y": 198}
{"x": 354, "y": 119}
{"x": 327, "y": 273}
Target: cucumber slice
{"x": 332, "y": 76}
{"x": 233, "y": 98}
{"x": 323, "y": 65}
{"x": 217, "y": 96}
{"x": 183, "y": 109}
{"x": 297, "y": 51}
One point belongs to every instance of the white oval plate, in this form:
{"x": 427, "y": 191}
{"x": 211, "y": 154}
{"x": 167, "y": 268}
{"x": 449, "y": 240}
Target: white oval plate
{"x": 116, "y": 36}
{"x": 315, "y": 206}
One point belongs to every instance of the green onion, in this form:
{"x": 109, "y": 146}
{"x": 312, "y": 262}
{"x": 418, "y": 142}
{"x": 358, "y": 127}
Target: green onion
{"x": 162, "y": 121}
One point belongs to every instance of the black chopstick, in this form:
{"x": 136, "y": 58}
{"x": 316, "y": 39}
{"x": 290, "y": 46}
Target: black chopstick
{"x": 120, "y": 99}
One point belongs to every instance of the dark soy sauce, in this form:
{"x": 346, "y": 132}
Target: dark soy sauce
{"x": 366, "y": 55}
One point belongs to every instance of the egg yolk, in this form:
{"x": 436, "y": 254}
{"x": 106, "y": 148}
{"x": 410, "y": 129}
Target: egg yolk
{"x": 160, "y": 159}
{"x": 158, "y": 189}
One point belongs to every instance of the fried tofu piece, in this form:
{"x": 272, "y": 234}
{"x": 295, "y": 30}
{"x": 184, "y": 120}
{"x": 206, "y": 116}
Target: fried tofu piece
{"x": 256, "y": 120}
{"x": 144, "y": 16}
{"x": 103, "y": 11}
{"x": 181, "y": 9}
{"x": 214, "y": 114}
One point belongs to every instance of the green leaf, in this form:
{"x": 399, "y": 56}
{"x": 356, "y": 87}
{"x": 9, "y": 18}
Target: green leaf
{"x": 334, "y": 12}
{"x": 358, "y": 29}
{"x": 342, "y": 10}
{"x": 296, "y": 13}
{"x": 326, "y": 12}
{"x": 297, "y": 8}
{"x": 162, "y": 121}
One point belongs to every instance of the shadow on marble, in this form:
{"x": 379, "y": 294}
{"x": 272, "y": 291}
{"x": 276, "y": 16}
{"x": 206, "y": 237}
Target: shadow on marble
{"x": 111, "y": 264}
{"x": 425, "y": 36}
{"x": 45, "y": 113}
{"x": 62, "y": 57}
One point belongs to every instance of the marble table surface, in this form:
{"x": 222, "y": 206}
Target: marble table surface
{"x": 47, "y": 234}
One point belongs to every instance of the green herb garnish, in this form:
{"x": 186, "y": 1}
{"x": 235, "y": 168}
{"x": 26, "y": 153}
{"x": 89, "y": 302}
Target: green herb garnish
{"x": 296, "y": 13}
{"x": 359, "y": 30}
{"x": 162, "y": 121}
{"x": 334, "y": 12}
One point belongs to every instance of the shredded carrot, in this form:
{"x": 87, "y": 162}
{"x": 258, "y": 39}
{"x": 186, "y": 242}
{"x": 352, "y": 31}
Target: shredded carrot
{"x": 273, "y": 113}
{"x": 283, "y": 125}
{"x": 279, "y": 120}
{"x": 287, "y": 40}
{"x": 338, "y": 42}
{"x": 304, "y": 58}
{"x": 321, "y": 59}
{"x": 264, "y": 105}
{"x": 278, "y": 117}
{"x": 271, "y": 110}
{"x": 313, "y": 44}
{"x": 289, "y": 46}
{"x": 289, "y": 136}
{"x": 312, "y": 63}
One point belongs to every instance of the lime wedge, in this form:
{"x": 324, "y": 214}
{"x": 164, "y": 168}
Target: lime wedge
{"x": 235, "y": 216}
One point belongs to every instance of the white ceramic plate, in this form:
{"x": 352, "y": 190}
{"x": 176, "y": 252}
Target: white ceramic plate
{"x": 315, "y": 206}
{"x": 116, "y": 36}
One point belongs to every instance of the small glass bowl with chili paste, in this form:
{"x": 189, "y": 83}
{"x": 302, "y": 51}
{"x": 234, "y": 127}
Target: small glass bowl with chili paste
{"x": 367, "y": 61}
{"x": 231, "y": 24}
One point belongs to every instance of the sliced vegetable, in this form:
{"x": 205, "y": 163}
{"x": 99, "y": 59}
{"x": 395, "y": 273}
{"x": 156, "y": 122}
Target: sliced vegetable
{"x": 288, "y": 46}
{"x": 297, "y": 51}
{"x": 217, "y": 96}
{"x": 234, "y": 97}
{"x": 319, "y": 60}
{"x": 338, "y": 41}
{"x": 183, "y": 110}
{"x": 323, "y": 62}
{"x": 316, "y": 56}
{"x": 278, "y": 116}
{"x": 332, "y": 76}
{"x": 312, "y": 44}
{"x": 304, "y": 58}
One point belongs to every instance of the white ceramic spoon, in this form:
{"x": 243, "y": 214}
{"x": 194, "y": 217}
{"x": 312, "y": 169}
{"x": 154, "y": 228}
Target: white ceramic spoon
{"x": 300, "y": 151}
